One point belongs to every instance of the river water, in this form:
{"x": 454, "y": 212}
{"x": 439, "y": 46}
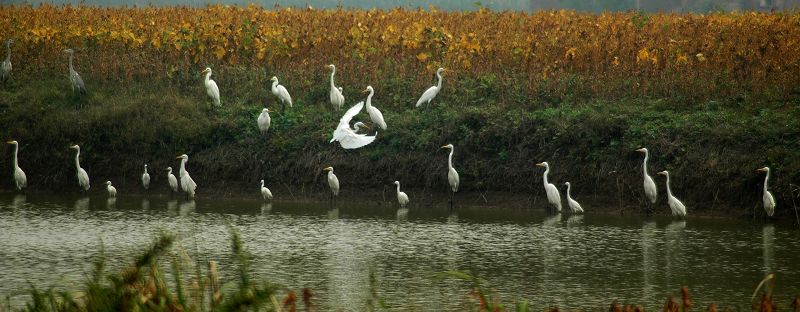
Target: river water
{"x": 569, "y": 261}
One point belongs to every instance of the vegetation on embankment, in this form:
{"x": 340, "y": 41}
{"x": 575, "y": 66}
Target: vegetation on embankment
{"x": 713, "y": 97}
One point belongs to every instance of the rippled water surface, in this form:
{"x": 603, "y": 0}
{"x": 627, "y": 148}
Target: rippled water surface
{"x": 566, "y": 261}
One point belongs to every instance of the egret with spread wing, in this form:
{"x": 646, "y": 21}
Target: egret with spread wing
{"x": 347, "y": 137}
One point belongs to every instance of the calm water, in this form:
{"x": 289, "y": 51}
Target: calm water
{"x": 566, "y": 261}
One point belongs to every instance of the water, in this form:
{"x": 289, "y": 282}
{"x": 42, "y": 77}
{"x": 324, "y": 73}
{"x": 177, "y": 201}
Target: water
{"x": 567, "y": 261}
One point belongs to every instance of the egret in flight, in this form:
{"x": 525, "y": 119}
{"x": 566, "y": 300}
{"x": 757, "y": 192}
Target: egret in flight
{"x": 265, "y": 193}
{"x": 452, "y": 174}
{"x": 347, "y": 137}
{"x": 75, "y": 78}
{"x": 337, "y": 98}
{"x": 769, "y": 201}
{"x": 402, "y": 198}
{"x": 173, "y": 182}
{"x": 211, "y": 86}
{"x": 281, "y": 92}
{"x": 553, "y": 196}
{"x": 264, "y": 120}
{"x": 5, "y": 68}
{"x": 112, "y": 191}
{"x": 333, "y": 182}
{"x": 83, "y": 177}
{"x": 431, "y": 93}
{"x": 374, "y": 114}
{"x": 650, "y": 189}
{"x": 20, "y": 181}
{"x": 574, "y": 206}
{"x": 187, "y": 184}
{"x": 677, "y": 207}
{"x": 145, "y": 178}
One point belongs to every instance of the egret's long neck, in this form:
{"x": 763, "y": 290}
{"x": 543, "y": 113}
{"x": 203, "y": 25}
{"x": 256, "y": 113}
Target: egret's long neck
{"x": 78, "y": 159}
{"x": 8, "y": 52}
{"x": 766, "y": 179}
{"x": 333, "y": 87}
{"x": 369, "y": 98}
{"x": 398, "y": 187}
{"x": 669, "y": 191}
{"x": 183, "y": 167}
{"x": 208, "y": 76}
{"x": 439, "y": 84}
{"x": 70, "y": 62}
{"x": 275, "y": 86}
{"x": 450, "y": 159}
{"x": 330, "y": 174}
{"x": 262, "y": 183}
{"x": 644, "y": 165}
{"x": 569, "y": 186}
{"x": 544, "y": 176}
{"x": 16, "y": 148}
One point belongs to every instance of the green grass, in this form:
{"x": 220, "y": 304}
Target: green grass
{"x": 711, "y": 147}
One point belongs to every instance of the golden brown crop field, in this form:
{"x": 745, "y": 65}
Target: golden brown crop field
{"x": 710, "y": 55}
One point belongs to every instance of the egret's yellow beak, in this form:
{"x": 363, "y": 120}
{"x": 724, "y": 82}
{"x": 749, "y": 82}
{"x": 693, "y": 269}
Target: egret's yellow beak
{"x": 327, "y": 169}
{"x": 10, "y": 142}
{"x": 541, "y": 164}
{"x": 268, "y": 111}
{"x": 179, "y": 157}
{"x": 444, "y": 146}
{"x": 641, "y": 150}
{"x": 367, "y": 126}
{"x": 365, "y": 91}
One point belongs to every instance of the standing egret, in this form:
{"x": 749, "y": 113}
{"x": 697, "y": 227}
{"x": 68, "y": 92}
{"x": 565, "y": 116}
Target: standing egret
{"x": 75, "y": 78}
{"x": 112, "y": 191}
{"x": 20, "y": 181}
{"x": 187, "y": 184}
{"x": 650, "y": 189}
{"x": 769, "y": 201}
{"x": 5, "y": 68}
{"x": 146, "y": 178}
{"x": 83, "y": 177}
{"x": 264, "y": 120}
{"x": 211, "y": 86}
{"x": 337, "y": 98}
{"x": 173, "y": 182}
{"x": 452, "y": 174}
{"x": 347, "y": 137}
{"x": 677, "y": 207}
{"x": 431, "y": 93}
{"x": 553, "y": 196}
{"x": 281, "y": 92}
{"x": 333, "y": 182}
{"x": 574, "y": 206}
{"x": 374, "y": 114}
{"x": 402, "y": 198}
{"x": 265, "y": 193}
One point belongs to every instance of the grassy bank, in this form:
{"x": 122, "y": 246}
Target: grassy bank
{"x": 711, "y": 148}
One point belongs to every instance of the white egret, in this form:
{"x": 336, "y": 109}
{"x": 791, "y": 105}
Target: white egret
{"x": 112, "y": 191}
{"x": 281, "y": 92}
{"x": 347, "y": 137}
{"x": 265, "y": 193}
{"x": 573, "y": 204}
{"x": 211, "y": 86}
{"x": 452, "y": 174}
{"x": 337, "y": 98}
{"x": 402, "y": 198}
{"x": 20, "y": 180}
{"x": 145, "y": 178}
{"x": 677, "y": 207}
{"x": 187, "y": 184}
{"x": 359, "y": 126}
{"x": 264, "y": 120}
{"x": 333, "y": 182}
{"x": 431, "y": 93}
{"x": 173, "y": 182}
{"x": 83, "y": 177}
{"x": 650, "y": 189}
{"x": 5, "y": 68}
{"x": 769, "y": 201}
{"x": 374, "y": 114}
{"x": 75, "y": 78}
{"x": 553, "y": 196}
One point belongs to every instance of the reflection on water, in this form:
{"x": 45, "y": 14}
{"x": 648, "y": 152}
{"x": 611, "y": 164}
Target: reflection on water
{"x": 111, "y": 202}
{"x": 575, "y": 262}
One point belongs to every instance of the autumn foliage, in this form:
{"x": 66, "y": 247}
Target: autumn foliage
{"x": 711, "y": 55}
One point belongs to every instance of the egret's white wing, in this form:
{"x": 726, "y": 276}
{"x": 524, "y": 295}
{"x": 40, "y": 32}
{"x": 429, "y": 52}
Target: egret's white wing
{"x": 213, "y": 91}
{"x": 427, "y": 95}
{"x": 284, "y": 94}
{"x": 377, "y": 117}
{"x": 351, "y": 140}
{"x": 344, "y": 123}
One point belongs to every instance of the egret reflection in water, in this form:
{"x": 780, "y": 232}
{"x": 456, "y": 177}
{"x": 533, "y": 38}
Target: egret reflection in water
{"x": 402, "y": 215}
{"x": 81, "y": 204}
{"x": 111, "y": 202}
{"x": 19, "y": 201}
{"x": 186, "y": 208}
{"x": 767, "y": 243}
{"x": 648, "y": 242}
{"x": 266, "y": 208}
